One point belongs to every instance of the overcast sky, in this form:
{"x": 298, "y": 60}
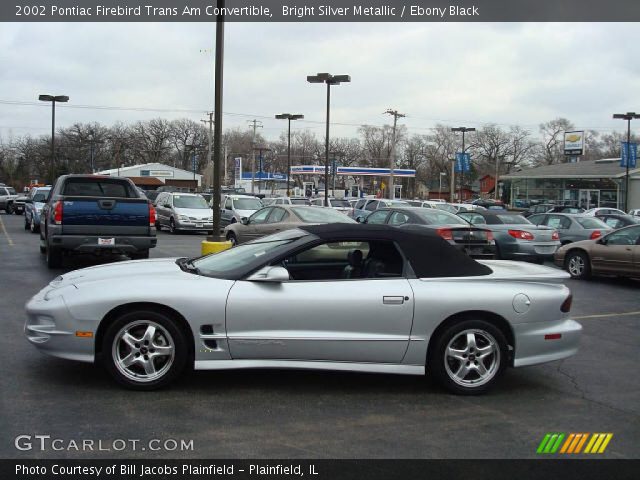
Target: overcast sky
{"x": 454, "y": 73}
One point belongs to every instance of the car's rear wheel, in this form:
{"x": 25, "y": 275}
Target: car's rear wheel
{"x": 231, "y": 237}
{"x": 469, "y": 357}
{"x": 145, "y": 350}
{"x": 578, "y": 266}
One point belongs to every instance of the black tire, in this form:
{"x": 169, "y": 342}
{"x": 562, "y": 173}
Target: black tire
{"x": 140, "y": 255}
{"x": 33, "y": 227}
{"x": 17, "y": 212}
{"x": 113, "y": 345}
{"x": 172, "y": 226}
{"x": 231, "y": 237}
{"x": 578, "y": 265}
{"x": 158, "y": 226}
{"x": 9, "y": 209}
{"x": 26, "y": 224}
{"x": 54, "y": 257}
{"x": 485, "y": 334}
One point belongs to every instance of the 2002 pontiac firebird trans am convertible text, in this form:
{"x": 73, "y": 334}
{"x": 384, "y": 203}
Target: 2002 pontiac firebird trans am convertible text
{"x": 366, "y": 298}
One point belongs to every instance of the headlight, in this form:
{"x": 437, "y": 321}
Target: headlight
{"x": 183, "y": 218}
{"x": 39, "y": 210}
{"x": 58, "y": 292}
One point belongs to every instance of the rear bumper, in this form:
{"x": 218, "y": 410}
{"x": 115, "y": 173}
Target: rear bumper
{"x": 532, "y": 348}
{"x": 486, "y": 252}
{"x": 89, "y": 243}
{"x": 522, "y": 250}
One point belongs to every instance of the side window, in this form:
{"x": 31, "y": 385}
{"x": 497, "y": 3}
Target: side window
{"x": 359, "y": 204}
{"x": 398, "y": 218}
{"x": 278, "y": 215}
{"x": 565, "y": 222}
{"x": 371, "y": 206}
{"x": 629, "y": 236}
{"x": 346, "y": 260}
{"x": 227, "y": 204}
{"x": 537, "y": 219}
{"x": 555, "y": 221}
{"x": 378, "y": 218}
{"x": 613, "y": 222}
{"x": 261, "y": 215}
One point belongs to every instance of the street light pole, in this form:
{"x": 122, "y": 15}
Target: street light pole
{"x": 53, "y": 99}
{"x": 289, "y": 117}
{"x": 329, "y": 80}
{"x": 442, "y": 174}
{"x": 463, "y": 130}
{"x": 628, "y": 117}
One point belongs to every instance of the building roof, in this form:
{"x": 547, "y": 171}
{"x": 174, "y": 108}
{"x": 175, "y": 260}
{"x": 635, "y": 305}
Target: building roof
{"x": 153, "y": 165}
{"x": 604, "y": 168}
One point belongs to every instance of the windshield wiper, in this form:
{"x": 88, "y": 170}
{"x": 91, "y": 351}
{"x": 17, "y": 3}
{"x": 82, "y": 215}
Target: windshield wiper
{"x": 186, "y": 265}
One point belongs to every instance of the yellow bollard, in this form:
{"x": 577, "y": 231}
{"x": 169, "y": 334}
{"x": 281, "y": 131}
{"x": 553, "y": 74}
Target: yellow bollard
{"x": 214, "y": 247}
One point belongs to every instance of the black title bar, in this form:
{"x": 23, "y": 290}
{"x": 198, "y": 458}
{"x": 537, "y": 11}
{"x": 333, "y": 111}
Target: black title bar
{"x": 322, "y": 11}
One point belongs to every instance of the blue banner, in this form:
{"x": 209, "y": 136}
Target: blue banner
{"x": 463, "y": 162}
{"x": 629, "y": 153}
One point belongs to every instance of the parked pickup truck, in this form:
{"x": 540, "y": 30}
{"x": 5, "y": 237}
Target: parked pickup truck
{"x": 94, "y": 214}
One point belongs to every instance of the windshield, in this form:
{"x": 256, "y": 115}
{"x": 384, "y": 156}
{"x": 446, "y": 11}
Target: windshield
{"x": 219, "y": 264}
{"x": 447, "y": 208}
{"x": 320, "y": 215}
{"x": 299, "y": 201}
{"x": 436, "y": 217}
{"x": 339, "y": 203}
{"x": 590, "y": 222}
{"x": 40, "y": 196}
{"x": 247, "y": 204}
{"x": 514, "y": 219}
{"x": 12, "y": 191}
{"x": 191, "y": 201}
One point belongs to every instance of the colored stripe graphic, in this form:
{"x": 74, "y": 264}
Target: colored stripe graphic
{"x": 574, "y": 442}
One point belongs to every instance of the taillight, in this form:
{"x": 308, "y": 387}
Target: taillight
{"x": 445, "y": 233}
{"x": 521, "y": 234}
{"x": 152, "y": 215}
{"x": 555, "y": 236}
{"x": 57, "y": 212}
{"x": 595, "y": 234}
{"x": 566, "y": 305}
{"x": 489, "y": 236}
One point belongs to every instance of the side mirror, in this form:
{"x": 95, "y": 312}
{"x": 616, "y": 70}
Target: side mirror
{"x": 602, "y": 241}
{"x": 244, "y": 221}
{"x": 270, "y": 274}
{"x": 360, "y": 219}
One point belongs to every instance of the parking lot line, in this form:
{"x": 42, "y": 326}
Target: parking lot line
{"x": 605, "y": 315}
{"x": 4, "y": 230}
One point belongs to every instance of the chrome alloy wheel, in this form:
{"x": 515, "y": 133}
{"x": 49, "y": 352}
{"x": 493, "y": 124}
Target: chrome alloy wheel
{"x": 143, "y": 351}
{"x": 472, "y": 358}
{"x": 576, "y": 265}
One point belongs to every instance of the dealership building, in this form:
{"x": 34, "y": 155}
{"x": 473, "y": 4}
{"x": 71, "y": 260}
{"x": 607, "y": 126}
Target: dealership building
{"x": 589, "y": 184}
{"x": 150, "y": 176}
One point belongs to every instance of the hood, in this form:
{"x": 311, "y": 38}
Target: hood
{"x": 199, "y": 213}
{"x": 118, "y": 271}
{"x": 522, "y": 271}
{"x": 245, "y": 213}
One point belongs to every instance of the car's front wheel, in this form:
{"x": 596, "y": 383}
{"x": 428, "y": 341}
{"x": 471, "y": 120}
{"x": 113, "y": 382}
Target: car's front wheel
{"x": 172, "y": 226}
{"x": 468, "y": 357}
{"x": 9, "y": 209}
{"x": 578, "y": 266}
{"x": 231, "y": 237}
{"x": 145, "y": 350}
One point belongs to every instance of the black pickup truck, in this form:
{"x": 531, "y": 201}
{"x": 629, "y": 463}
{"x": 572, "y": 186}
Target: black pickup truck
{"x": 96, "y": 214}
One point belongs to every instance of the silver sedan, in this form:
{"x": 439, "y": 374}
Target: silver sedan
{"x": 363, "y": 298}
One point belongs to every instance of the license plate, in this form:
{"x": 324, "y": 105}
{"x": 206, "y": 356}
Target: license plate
{"x": 107, "y": 241}
{"x": 199, "y": 225}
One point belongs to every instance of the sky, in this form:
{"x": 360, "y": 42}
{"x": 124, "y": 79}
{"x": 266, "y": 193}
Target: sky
{"x": 453, "y": 73}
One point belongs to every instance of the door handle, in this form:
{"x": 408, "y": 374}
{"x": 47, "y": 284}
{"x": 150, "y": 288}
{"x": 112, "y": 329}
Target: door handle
{"x": 394, "y": 300}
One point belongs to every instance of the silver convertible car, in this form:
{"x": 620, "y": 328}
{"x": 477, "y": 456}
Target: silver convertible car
{"x": 364, "y": 298}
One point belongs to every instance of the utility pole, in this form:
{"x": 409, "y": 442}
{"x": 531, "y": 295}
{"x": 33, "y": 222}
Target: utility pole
{"x": 256, "y": 124}
{"x": 392, "y": 157}
{"x": 628, "y": 117}
{"x": 93, "y": 149}
{"x": 210, "y": 122}
{"x": 452, "y": 188}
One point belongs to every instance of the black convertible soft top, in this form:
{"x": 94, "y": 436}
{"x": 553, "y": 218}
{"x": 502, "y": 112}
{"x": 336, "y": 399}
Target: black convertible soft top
{"x": 428, "y": 253}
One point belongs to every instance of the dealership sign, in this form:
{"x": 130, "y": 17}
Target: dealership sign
{"x": 574, "y": 143}
{"x": 156, "y": 173}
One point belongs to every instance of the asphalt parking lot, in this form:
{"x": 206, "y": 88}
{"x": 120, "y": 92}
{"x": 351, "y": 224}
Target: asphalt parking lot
{"x": 297, "y": 414}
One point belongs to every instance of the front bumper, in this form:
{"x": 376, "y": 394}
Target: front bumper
{"x": 194, "y": 226}
{"x": 533, "y": 348}
{"x": 52, "y": 330}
